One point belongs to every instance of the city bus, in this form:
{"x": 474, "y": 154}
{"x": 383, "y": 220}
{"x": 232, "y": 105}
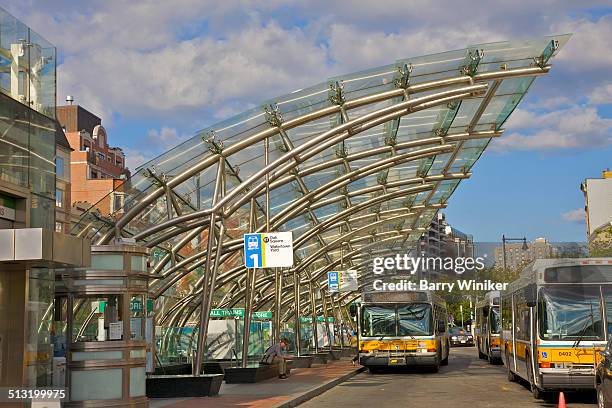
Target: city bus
{"x": 402, "y": 329}
{"x": 555, "y": 319}
{"x": 487, "y": 327}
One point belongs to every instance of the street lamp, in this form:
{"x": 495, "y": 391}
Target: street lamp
{"x": 504, "y": 240}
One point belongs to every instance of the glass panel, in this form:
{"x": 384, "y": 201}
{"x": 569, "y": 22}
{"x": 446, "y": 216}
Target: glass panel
{"x": 39, "y": 351}
{"x": 138, "y": 353}
{"x": 139, "y": 263}
{"x": 136, "y": 313}
{"x": 137, "y": 381}
{"x": 96, "y": 384}
{"x": 96, "y": 355}
{"x": 107, "y": 261}
{"x": 109, "y": 282}
{"x": 97, "y": 319}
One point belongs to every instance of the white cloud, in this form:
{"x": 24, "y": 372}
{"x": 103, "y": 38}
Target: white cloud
{"x": 164, "y": 138}
{"x": 136, "y": 157}
{"x": 602, "y": 94}
{"x": 577, "y": 127}
{"x": 198, "y": 61}
{"x": 355, "y": 48}
{"x": 589, "y": 47}
{"x": 252, "y": 64}
{"x": 577, "y": 215}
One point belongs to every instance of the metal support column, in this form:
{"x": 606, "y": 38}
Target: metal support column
{"x": 278, "y": 282}
{"x": 297, "y": 313}
{"x": 249, "y": 289}
{"x": 313, "y": 312}
{"x": 208, "y": 289}
{"x": 325, "y": 320}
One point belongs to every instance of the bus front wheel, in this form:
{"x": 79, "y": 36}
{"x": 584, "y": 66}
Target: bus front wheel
{"x": 537, "y": 393}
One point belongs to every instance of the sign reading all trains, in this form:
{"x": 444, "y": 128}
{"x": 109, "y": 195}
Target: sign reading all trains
{"x": 268, "y": 250}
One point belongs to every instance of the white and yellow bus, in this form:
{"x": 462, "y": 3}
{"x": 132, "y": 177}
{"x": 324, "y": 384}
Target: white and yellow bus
{"x": 402, "y": 329}
{"x": 487, "y": 327}
{"x": 555, "y": 318}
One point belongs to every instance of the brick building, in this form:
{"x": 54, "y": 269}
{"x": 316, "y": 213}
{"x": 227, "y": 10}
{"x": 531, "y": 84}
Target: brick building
{"x": 97, "y": 168}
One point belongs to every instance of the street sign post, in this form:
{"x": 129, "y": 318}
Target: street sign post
{"x": 332, "y": 281}
{"x": 268, "y": 250}
{"x": 342, "y": 281}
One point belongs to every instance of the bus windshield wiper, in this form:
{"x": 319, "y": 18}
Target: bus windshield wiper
{"x": 583, "y": 331}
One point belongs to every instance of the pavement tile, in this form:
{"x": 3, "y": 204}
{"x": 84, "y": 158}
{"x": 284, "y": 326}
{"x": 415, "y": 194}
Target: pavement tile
{"x": 266, "y": 393}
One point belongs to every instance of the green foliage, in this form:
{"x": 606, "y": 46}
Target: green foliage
{"x": 601, "y": 243}
{"x": 457, "y": 298}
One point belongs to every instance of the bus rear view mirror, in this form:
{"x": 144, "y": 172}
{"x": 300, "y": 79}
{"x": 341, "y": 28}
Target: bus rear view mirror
{"x": 353, "y": 310}
{"x": 485, "y": 311}
{"x": 531, "y": 295}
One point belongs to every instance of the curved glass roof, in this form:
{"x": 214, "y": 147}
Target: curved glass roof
{"x": 358, "y": 165}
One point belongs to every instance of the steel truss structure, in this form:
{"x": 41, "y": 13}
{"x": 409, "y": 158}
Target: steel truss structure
{"x": 354, "y": 167}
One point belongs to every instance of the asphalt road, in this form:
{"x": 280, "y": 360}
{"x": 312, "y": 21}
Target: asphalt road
{"x": 466, "y": 382}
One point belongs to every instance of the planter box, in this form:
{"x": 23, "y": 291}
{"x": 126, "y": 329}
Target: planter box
{"x": 301, "y": 362}
{"x": 335, "y": 354}
{"x": 239, "y": 375}
{"x": 319, "y": 358}
{"x": 180, "y": 386}
{"x": 250, "y": 374}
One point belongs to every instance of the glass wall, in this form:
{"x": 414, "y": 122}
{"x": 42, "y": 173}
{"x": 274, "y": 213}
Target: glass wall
{"x": 38, "y": 347}
{"x": 27, "y": 151}
{"x": 27, "y": 160}
{"x": 27, "y": 65}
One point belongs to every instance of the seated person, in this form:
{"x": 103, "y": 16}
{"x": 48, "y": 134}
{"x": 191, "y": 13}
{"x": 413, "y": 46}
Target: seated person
{"x": 276, "y": 354}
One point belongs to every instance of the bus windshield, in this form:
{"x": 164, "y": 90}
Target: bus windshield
{"x": 415, "y": 319}
{"x": 379, "y": 320}
{"x": 570, "y": 313}
{"x": 494, "y": 320}
{"x": 412, "y": 319}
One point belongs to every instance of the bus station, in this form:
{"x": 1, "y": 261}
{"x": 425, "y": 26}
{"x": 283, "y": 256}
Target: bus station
{"x": 239, "y": 268}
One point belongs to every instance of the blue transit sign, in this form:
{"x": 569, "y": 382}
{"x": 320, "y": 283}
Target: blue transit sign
{"x": 332, "y": 281}
{"x": 268, "y": 250}
{"x": 253, "y": 255}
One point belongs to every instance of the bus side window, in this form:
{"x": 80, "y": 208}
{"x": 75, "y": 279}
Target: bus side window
{"x": 506, "y": 313}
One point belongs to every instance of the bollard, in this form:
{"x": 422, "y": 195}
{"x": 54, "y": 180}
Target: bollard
{"x": 562, "y": 400}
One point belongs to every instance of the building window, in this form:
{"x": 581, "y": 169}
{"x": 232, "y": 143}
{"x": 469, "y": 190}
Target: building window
{"x": 59, "y": 198}
{"x": 94, "y": 175}
{"x": 59, "y": 166}
{"x": 118, "y": 202}
{"x": 59, "y": 227}
{"x": 101, "y": 156}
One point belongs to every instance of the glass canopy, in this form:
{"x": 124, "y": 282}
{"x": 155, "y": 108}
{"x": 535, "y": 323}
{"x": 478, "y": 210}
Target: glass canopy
{"x": 358, "y": 165}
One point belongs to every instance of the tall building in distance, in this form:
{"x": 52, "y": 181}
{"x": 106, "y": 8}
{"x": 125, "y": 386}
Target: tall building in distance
{"x": 517, "y": 254}
{"x": 444, "y": 241}
{"x": 97, "y": 168}
{"x": 598, "y": 208}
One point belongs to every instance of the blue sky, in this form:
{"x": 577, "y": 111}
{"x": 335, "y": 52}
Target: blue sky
{"x": 157, "y": 71}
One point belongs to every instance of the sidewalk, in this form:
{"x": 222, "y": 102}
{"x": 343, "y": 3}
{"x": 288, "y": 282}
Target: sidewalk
{"x": 302, "y": 384}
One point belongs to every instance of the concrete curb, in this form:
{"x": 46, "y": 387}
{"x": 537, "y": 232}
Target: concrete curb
{"x": 318, "y": 390}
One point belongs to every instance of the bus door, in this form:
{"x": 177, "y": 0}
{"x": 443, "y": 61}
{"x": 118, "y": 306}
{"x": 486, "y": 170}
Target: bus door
{"x": 522, "y": 334}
